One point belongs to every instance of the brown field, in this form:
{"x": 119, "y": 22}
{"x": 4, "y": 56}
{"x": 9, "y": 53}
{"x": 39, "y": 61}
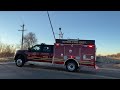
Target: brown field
{"x": 106, "y": 59}
{"x": 6, "y": 52}
{"x": 6, "y": 59}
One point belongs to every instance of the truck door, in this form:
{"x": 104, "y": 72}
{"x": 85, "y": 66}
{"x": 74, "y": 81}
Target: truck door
{"x": 72, "y": 50}
{"x": 58, "y": 53}
{"x": 88, "y": 55}
{"x": 34, "y": 53}
{"x": 47, "y": 53}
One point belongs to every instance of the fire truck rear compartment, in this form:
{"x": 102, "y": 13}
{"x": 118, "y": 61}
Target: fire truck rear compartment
{"x": 79, "y": 53}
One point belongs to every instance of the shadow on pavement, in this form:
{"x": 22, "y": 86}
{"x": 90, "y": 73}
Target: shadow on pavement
{"x": 61, "y": 68}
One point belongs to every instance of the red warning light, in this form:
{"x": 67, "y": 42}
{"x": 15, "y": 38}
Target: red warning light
{"x": 90, "y": 46}
{"x": 71, "y": 56}
{"x": 57, "y": 44}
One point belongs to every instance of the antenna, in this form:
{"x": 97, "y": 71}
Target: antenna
{"x": 60, "y": 34}
{"x": 51, "y": 24}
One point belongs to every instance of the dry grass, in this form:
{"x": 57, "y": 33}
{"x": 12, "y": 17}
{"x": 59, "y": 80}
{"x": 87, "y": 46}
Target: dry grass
{"x": 107, "y": 60}
{"x": 6, "y": 50}
{"x": 6, "y": 59}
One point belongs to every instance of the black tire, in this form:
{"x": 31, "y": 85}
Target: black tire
{"x": 71, "y": 66}
{"x": 20, "y": 61}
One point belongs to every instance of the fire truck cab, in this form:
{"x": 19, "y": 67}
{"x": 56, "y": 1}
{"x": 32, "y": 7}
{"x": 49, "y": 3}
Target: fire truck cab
{"x": 70, "y": 52}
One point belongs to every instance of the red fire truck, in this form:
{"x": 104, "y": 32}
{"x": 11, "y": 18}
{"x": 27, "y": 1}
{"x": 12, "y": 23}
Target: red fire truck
{"x": 70, "y": 52}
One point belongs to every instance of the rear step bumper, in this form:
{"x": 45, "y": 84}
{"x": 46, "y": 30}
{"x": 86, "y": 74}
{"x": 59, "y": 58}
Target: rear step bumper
{"x": 96, "y": 67}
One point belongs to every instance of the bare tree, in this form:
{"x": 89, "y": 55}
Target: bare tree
{"x": 29, "y": 40}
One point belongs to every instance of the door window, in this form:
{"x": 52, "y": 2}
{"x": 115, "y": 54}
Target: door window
{"x": 36, "y": 48}
{"x": 47, "y": 49}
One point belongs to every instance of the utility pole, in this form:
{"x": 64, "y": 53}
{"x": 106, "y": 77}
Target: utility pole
{"x": 22, "y": 34}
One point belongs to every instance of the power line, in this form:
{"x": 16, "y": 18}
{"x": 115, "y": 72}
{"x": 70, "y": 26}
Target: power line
{"x": 22, "y": 34}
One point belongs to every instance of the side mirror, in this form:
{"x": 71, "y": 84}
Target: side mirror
{"x": 29, "y": 49}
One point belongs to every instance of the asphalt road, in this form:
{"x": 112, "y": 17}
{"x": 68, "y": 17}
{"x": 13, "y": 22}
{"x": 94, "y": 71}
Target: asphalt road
{"x": 8, "y": 70}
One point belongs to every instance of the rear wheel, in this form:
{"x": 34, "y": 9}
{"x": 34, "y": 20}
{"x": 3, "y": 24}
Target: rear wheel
{"x": 71, "y": 66}
{"x": 20, "y": 61}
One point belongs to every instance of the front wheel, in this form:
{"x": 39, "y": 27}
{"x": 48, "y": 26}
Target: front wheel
{"x": 71, "y": 66}
{"x": 20, "y": 62}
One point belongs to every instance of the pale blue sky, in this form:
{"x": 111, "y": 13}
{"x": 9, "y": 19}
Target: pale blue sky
{"x": 102, "y": 26}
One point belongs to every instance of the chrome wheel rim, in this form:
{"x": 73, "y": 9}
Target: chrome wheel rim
{"x": 19, "y": 62}
{"x": 71, "y": 67}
